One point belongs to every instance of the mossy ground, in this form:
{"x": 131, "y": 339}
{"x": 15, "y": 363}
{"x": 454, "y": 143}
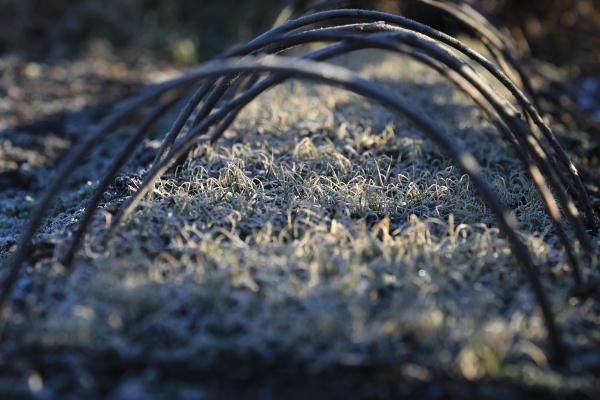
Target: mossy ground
{"x": 323, "y": 248}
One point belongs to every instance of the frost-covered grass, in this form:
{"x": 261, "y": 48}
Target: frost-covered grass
{"x": 323, "y": 234}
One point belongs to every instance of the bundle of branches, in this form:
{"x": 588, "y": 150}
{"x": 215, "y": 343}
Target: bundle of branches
{"x": 216, "y": 92}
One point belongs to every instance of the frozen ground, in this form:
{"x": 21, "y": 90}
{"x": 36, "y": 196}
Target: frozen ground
{"x": 322, "y": 249}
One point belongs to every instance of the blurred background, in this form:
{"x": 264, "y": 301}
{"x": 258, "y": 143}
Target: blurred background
{"x": 564, "y": 32}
